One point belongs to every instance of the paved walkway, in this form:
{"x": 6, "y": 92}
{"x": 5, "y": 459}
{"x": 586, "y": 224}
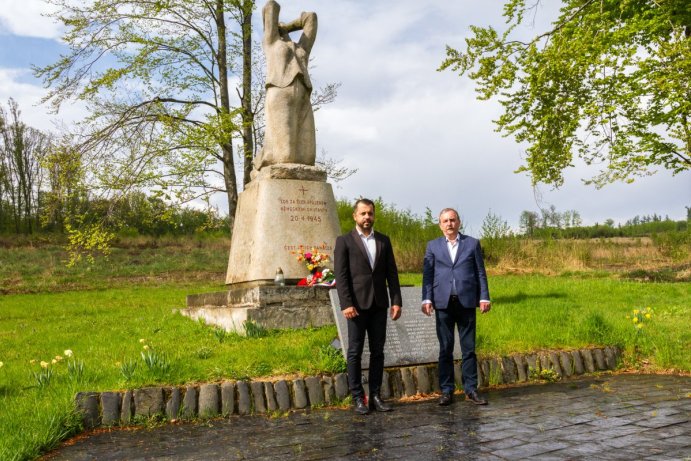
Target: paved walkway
{"x": 623, "y": 417}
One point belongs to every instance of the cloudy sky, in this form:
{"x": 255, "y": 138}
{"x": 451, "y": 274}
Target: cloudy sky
{"x": 418, "y": 137}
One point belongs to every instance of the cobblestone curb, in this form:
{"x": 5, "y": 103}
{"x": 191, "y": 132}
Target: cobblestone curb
{"x": 248, "y": 397}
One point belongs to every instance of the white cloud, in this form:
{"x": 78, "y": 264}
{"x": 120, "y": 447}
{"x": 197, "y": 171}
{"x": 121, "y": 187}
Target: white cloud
{"x": 418, "y": 137}
{"x": 27, "y": 18}
{"x": 28, "y": 97}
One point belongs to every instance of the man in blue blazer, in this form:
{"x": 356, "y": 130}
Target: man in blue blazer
{"x": 365, "y": 266}
{"x": 454, "y": 283}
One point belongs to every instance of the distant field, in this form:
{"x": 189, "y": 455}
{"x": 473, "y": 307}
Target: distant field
{"x": 36, "y": 266}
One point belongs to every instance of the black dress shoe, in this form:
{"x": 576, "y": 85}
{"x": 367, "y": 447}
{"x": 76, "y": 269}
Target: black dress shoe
{"x": 446, "y": 399}
{"x": 359, "y": 407}
{"x": 376, "y": 403}
{"x": 475, "y": 398}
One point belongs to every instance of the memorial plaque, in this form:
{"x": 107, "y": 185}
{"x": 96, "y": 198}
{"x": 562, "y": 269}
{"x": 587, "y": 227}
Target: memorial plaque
{"x": 410, "y": 340}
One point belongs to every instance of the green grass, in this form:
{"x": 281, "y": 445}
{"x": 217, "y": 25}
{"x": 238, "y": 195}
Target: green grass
{"x": 37, "y": 267}
{"x": 104, "y": 328}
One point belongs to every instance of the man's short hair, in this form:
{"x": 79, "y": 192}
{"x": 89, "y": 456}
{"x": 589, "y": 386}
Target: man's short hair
{"x": 446, "y": 210}
{"x": 364, "y": 201}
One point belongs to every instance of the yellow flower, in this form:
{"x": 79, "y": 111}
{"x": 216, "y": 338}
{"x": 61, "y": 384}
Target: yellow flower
{"x": 635, "y": 320}
{"x": 58, "y": 357}
{"x": 44, "y": 364}
{"x": 142, "y": 341}
{"x": 636, "y": 312}
{"x": 146, "y": 347}
{"x": 2, "y": 364}
{"x": 639, "y": 326}
{"x": 32, "y": 361}
{"x": 53, "y": 361}
{"x": 648, "y": 315}
{"x": 68, "y": 353}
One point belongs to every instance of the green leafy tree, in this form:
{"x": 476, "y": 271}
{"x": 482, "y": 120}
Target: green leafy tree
{"x": 608, "y": 82}
{"x": 22, "y": 149}
{"x": 155, "y": 76}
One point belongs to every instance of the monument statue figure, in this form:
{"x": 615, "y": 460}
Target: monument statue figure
{"x": 289, "y": 135}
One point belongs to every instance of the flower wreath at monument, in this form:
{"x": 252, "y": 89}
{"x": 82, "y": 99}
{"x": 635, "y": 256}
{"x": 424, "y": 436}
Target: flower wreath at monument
{"x": 314, "y": 261}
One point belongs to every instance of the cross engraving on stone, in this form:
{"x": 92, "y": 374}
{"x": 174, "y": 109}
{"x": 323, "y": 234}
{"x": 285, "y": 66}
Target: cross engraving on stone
{"x": 303, "y": 190}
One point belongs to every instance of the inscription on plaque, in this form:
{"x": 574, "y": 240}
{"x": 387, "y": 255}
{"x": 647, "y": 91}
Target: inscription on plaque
{"x": 410, "y": 340}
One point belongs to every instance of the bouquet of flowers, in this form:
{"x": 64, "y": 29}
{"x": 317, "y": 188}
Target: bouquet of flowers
{"x": 314, "y": 261}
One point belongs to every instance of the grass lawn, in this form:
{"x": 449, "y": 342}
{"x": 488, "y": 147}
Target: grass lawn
{"x": 103, "y": 328}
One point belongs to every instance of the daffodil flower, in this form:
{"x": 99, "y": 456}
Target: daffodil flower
{"x": 635, "y": 320}
{"x": 44, "y": 364}
{"x": 146, "y": 347}
{"x": 2, "y": 364}
{"x": 142, "y": 341}
{"x": 68, "y": 353}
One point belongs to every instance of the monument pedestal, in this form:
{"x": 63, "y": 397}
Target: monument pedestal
{"x": 283, "y": 207}
{"x": 278, "y": 212}
{"x": 268, "y": 306}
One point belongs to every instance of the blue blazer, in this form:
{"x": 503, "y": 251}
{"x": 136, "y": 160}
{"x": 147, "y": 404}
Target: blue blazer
{"x": 468, "y": 272}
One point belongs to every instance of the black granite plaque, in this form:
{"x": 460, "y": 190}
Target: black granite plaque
{"x": 410, "y": 340}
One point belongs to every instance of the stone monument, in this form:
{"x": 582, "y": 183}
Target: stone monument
{"x": 287, "y": 203}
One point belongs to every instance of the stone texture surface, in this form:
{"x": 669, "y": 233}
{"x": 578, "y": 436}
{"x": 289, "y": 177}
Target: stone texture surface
{"x": 126, "y": 410}
{"x": 227, "y": 398}
{"x": 578, "y": 367}
{"x": 270, "y": 396}
{"x": 341, "y": 385}
{"x": 599, "y": 357}
{"x": 190, "y": 402}
{"x": 209, "y": 400}
{"x": 257, "y": 388}
{"x": 268, "y": 305}
{"x": 315, "y": 391}
{"x": 304, "y": 211}
{"x": 173, "y": 404}
{"x": 300, "y": 394}
{"x": 110, "y": 408}
{"x": 409, "y": 388}
{"x": 244, "y": 403}
{"x": 148, "y": 401}
{"x": 423, "y": 382}
{"x": 618, "y": 418}
{"x": 87, "y": 406}
{"x": 282, "y": 395}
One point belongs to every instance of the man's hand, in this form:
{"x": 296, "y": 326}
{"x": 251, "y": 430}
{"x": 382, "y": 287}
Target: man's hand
{"x": 350, "y": 312}
{"x": 427, "y": 309}
{"x": 485, "y": 306}
{"x": 395, "y": 312}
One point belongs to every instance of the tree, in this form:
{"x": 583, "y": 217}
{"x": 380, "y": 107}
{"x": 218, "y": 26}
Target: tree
{"x": 608, "y": 83}
{"x": 156, "y": 78}
{"x": 22, "y": 149}
{"x": 528, "y": 222}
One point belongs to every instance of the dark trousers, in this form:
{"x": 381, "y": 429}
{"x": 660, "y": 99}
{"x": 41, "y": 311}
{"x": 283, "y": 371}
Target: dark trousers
{"x": 447, "y": 319}
{"x": 373, "y": 323}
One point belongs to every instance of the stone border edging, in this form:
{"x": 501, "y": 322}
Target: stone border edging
{"x": 257, "y": 397}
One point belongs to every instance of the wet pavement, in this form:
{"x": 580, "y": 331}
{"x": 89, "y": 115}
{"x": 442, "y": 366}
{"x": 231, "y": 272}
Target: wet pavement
{"x": 619, "y": 417}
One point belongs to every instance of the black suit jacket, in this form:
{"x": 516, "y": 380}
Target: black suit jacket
{"x": 357, "y": 283}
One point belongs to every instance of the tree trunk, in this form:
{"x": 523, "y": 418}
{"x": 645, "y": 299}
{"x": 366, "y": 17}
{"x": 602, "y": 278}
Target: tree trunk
{"x": 226, "y": 142}
{"x": 247, "y": 115}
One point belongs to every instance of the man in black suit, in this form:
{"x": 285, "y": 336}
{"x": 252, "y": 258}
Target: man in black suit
{"x": 364, "y": 265}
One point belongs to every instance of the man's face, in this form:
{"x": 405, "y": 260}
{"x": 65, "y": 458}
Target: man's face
{"x": 364, "y": 216}
{"x": 449, "y": 224}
